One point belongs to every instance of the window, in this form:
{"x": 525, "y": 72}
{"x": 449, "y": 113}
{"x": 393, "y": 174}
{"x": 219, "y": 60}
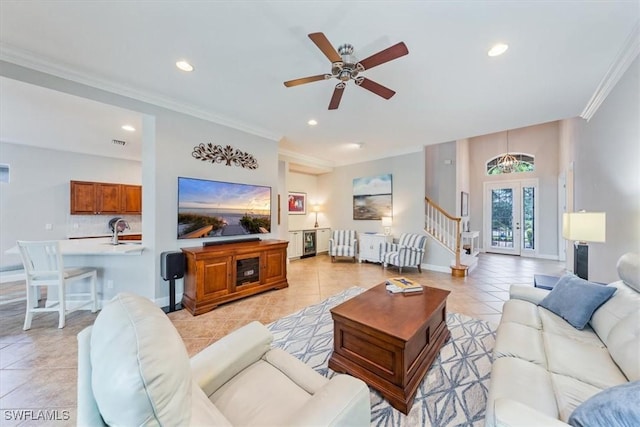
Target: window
{"x": 525, "y": 164}
{"x": 528, "y": 217}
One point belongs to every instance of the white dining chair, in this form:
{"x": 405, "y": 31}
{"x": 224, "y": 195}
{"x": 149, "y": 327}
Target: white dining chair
{"x": 43, "y": 266}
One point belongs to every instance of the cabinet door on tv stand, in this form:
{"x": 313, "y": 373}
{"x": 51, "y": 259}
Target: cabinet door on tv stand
{"x": 217, "y": 278}
{"x": 275, "y": 266}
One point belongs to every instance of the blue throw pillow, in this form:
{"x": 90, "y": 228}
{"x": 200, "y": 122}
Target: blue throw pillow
{"x": 617, "y": 406}
{"x": 575, "y": 299}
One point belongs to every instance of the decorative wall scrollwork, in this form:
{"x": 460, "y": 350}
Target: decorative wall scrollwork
{"x": 228, "y": 154}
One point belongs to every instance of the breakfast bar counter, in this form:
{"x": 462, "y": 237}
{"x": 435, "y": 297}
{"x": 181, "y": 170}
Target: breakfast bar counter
{"x": 119, "y": 266}
{"x": 94, "y": 246}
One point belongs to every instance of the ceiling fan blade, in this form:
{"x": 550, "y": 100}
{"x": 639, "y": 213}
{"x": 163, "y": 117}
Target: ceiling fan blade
{"x": 325, "y": 46}
{"x": 389, "y": 54}
{"x": 337, "y": 96}
{"x": 376, "y": 88}
{"x": 304, "y": 80}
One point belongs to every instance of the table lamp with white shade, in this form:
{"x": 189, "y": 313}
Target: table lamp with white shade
{"x": 387, "y": 222}
{"x": 583, "y": 227}
{"x": 316, "y": 209}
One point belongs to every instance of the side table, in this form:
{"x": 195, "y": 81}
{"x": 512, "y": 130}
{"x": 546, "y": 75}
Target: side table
{"x": 369, "y": 246}
{"x": 471, "y": 241}
{"x": 543, "y": 281}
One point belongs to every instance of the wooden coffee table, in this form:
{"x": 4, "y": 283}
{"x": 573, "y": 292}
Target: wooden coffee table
{"x": 390, "y": 340}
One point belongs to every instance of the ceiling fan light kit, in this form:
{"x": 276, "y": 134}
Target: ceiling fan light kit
{"x": 346, "y": 67}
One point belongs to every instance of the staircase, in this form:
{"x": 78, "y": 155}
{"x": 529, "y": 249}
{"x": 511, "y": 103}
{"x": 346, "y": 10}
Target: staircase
{"x": 446, "y": 230}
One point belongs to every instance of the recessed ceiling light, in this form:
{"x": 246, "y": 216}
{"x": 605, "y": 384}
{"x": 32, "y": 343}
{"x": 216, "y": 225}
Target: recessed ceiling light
{"x": 129, "y": 128}
{"x": 184, "y": 66}
{"x": 312, "y": 122}
{"x": 358, "y": 145}
{"x": 498, "y": 49}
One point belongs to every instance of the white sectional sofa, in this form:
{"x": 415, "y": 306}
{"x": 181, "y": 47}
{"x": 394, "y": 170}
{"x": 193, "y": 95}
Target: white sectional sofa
{"x": 544, "y": 368}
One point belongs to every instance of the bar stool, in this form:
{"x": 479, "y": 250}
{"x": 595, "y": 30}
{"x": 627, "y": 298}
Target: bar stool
{"x": 43, "y": 266}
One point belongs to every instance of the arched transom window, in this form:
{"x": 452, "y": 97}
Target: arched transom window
{"x": 523, "y": 163}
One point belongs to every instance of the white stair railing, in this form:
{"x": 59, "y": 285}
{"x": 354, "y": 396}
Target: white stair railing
{"x": 445, "y": 228}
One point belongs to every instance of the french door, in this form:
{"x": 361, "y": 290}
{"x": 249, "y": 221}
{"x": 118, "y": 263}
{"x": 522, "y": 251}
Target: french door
{"x": 510, "y": 217}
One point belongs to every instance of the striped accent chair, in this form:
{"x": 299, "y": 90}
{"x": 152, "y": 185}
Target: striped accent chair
{"x": 343, "y": 243}
{"x": 408, "y": 252}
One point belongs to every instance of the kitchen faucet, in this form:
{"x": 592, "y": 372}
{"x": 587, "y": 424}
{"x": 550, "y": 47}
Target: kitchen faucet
{"x": 116, "y": 228}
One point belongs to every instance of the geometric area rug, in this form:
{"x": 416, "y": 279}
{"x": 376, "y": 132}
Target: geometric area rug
{"x": 452, "y": 393}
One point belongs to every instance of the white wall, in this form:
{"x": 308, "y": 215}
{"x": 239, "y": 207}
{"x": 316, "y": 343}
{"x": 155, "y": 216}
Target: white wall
{"x": 176, "y": 136}
{"x": 606, "y": 155}
{"x": 568, "y": 129}
{"x": 168, "y": 141}
{"x": 304, "y": 183}
{"x": 39, "y": 194}
{"x": 462, "y": 174}
{"x": 440, "y": 175}
{"x": 540, "y": 141}
{"x": 408, "y": 193}
{"x": 441, "y": 184}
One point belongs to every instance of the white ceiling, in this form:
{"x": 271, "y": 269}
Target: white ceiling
{"x": 42, "y": 117}
{"x": 447, "y": 87}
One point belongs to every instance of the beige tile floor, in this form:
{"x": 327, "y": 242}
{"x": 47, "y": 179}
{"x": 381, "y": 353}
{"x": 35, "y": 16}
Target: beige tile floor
{"x": 38, "y": 367}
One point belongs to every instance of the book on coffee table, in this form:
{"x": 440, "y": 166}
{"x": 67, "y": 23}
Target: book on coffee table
{"x": 402, "y": 284}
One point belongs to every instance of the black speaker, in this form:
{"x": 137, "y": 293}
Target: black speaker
{"x": 172, "y": 265}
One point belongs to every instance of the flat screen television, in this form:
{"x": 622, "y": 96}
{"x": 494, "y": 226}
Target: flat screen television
{"x": 217, "y": 209}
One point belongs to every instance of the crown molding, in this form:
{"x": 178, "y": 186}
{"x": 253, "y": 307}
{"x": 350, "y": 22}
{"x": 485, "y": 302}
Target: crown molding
{"x": 623, "y": 60}
{"x": 305, "y": 160}
{"x": 30, "y": 60}
{"x": 386, "y": 155}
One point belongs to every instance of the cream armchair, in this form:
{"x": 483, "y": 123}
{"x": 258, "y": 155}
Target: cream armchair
{"x": 343, "y": 243}
{"x": 133, "y": 369}
{"x": 408, "y": 252}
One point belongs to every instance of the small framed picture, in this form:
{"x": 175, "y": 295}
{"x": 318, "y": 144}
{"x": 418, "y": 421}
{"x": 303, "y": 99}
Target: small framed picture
{"x": 464, "y": 204}
{"x": 297, "y": 203}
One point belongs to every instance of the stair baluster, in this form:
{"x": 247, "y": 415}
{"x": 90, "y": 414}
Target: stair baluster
{"x": 446, "y": 229}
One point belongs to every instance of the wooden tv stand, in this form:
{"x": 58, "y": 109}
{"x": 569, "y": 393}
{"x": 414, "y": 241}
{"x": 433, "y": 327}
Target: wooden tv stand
{"x": 230, "y": 271}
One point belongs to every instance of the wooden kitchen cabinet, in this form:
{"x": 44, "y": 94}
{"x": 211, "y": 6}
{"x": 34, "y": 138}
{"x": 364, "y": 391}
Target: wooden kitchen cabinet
{"x": 230, "y": 271}
{"x": 102, "y": 198}
{"x": 131, "y": 202}
{"x": 83, "y": 197}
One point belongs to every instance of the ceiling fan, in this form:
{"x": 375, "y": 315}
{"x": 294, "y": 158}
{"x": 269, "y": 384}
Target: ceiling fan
{"x": 345, "y": 66}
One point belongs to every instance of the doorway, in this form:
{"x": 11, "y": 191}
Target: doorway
{"x": 511, "y": 217}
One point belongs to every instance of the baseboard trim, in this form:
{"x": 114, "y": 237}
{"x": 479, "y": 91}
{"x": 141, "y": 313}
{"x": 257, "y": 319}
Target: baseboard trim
{"x": 545, "y": 256}
{"x": 438, "y": 268}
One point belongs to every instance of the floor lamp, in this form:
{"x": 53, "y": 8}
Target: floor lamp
{"x": 583, "y": 227}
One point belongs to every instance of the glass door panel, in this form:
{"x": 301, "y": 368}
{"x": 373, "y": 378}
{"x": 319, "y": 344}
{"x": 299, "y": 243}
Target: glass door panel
{"x": 502, "y": 218}
{"x": 503, "y": 227}
{"x": 529, "y": 218}
{"x": 511, "y": 217}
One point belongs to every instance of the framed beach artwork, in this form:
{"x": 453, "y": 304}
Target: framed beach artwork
{"x": 297, "y": 203}
{"x": 372, "y": 197}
